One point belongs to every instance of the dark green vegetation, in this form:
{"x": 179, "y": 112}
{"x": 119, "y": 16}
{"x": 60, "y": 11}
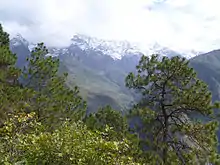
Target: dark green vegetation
{"x": 44, "y": 121}
{"x": 171, "y": 93}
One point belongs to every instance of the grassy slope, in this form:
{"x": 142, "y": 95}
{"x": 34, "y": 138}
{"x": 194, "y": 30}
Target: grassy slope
{"x": 96, "y": 87}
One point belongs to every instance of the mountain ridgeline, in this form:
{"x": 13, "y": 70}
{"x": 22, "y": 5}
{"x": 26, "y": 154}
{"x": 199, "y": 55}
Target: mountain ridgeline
{"x": 99, "y": 68}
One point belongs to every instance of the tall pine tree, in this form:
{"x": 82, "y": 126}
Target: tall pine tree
{"x": 12, "y": 97}
{"x": 53, "y": 100}
{"x": 173, "y": 102}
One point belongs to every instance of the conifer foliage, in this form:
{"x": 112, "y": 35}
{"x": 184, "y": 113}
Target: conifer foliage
{"x": 52, "y": 96}
{"x": 173, "y": 100}
{"x": 8, "y": 77}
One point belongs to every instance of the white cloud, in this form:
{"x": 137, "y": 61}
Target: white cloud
{"x": 179, "y": 24}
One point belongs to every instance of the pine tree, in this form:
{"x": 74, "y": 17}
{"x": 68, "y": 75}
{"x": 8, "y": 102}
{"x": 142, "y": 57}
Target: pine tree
{"x": 174, "y": 102}
{"x": 40, "y": 69}
{"x": 11, "y": 94}
{"x": 4, "y": 37}
{"x": 8, "y": 73}
{"x": 53, "y": 100}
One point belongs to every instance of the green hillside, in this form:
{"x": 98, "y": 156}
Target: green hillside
{"x": 98, "y": 87}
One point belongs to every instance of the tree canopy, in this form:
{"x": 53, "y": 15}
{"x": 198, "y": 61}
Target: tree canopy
{"x": 173, "y": 101}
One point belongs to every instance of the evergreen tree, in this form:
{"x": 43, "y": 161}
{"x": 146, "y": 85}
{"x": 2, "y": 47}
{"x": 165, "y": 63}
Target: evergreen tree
{"x": 4, "y": 37}
{"x": 11, "y": 94}
{"x": 40, "y": 68}
{"x": 8, "y": 73}
{"x": 53, "y": 100}
{"x": 173, "y": 102}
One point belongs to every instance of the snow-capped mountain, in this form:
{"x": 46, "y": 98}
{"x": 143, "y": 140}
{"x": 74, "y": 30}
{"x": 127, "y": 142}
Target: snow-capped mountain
{"x": 116, "y": 49}
{"x": 113, "y": 48}
{"x": 18, "y": 40}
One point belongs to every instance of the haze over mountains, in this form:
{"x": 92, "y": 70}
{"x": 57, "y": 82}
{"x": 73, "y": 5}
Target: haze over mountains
{"x": 99, "y": 67}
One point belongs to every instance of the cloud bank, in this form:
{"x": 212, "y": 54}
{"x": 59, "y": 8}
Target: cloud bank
{"x": 179, "y": 24}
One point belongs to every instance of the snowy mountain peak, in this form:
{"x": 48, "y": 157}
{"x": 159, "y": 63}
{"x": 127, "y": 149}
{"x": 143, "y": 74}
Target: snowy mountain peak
{"x": 19, "y": 40}
{"x": 116, "y": 49}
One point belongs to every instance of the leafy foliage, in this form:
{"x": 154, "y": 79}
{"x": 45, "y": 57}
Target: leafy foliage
{"x": 171, "y": 94}
{"x": 107, "y": 117}
{"x": 25, "y": 141}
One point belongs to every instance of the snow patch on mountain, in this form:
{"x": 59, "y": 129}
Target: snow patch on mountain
{"x": 118, "y": 49}
{"x": 18, "y": 40}
{"x": 115, "y": 49}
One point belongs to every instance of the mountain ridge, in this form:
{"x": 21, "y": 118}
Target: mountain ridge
{"x": 101, "y": 77}
{"x": 114, "y": 48}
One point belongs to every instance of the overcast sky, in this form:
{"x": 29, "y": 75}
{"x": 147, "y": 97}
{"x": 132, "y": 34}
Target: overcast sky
{"x": 179, "y": 24}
